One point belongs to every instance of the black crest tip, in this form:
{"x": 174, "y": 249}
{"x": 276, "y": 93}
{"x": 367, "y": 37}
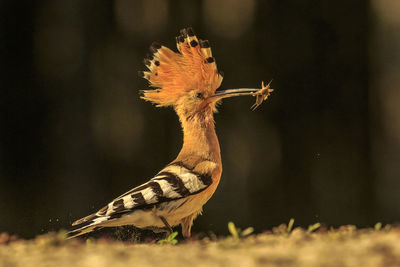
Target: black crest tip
{"x": 147, "y": 62}
{"x": 204, "y": 44}
{"x": 190, "y": 31}
{"x": 154, "y": 47}
{"x": 193, "y": 43}
{"x": 149, "y": 57}
{"x": 210, "y": 59}
{"x": 183, "y": 32}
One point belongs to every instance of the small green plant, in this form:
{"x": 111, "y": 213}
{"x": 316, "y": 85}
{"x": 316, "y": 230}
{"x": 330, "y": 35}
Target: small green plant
{"x": 171, "y": 239}
{"x": 387, "y": 228}
{"x": 237, "y": 233}
{"x": 313, "y": 227}
{"x": 290, "y": 226}
{"x": 284, "y": 229}
{"x": 378, "y": 226}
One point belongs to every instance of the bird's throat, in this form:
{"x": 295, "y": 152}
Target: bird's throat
{"x": 200, "y": 139}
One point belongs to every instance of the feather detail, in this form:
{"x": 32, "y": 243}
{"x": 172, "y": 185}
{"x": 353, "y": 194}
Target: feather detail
{"x": 173, "y": 74}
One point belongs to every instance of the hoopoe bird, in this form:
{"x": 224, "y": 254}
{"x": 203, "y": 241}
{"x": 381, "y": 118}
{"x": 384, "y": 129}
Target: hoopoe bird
{"x": 186, "y": 81}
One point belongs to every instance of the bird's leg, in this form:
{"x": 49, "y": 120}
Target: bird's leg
{"x": 169, "y": 228}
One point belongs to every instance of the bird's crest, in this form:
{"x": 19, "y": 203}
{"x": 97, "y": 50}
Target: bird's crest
{"x": 173, "y": 74}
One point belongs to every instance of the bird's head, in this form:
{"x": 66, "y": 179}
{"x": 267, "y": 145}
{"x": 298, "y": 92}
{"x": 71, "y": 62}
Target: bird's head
{"x": 187, "y": 80}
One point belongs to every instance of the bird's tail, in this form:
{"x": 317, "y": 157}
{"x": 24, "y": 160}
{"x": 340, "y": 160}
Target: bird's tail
{"x": 85, "y": 225}
{"x": 80, "y": 231}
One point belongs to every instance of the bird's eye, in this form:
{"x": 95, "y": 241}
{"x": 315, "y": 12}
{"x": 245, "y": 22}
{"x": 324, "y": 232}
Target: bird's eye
{"x": 199, "y": 96}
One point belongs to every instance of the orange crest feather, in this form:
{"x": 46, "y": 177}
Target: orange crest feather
{"x": 173, "y": 74}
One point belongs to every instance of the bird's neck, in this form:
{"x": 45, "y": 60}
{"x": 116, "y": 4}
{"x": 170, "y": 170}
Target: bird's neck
{"x": 200, "y": 142}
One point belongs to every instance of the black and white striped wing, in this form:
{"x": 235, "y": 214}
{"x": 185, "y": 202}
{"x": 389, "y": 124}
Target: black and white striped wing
{"x": 173, "y": 182}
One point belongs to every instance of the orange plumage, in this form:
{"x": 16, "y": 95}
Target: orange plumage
{"x": 173, "y": 74}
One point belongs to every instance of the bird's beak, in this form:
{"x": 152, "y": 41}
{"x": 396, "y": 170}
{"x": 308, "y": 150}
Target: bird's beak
{"x": 260, "y": 94}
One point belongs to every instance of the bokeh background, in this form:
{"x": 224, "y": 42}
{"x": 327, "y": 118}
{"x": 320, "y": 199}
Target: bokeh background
{"x": 324, "y": 148}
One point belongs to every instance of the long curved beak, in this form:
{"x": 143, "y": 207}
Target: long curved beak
{"x": 260, "y": 94}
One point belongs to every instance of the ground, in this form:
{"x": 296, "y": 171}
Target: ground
{"x": 346, "y": 246}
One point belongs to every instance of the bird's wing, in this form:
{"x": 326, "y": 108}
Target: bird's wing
{"x": 173, "y": 182}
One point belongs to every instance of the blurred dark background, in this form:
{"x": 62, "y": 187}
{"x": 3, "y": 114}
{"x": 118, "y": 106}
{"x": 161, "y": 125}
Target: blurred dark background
{"x": 324, "y": 148}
